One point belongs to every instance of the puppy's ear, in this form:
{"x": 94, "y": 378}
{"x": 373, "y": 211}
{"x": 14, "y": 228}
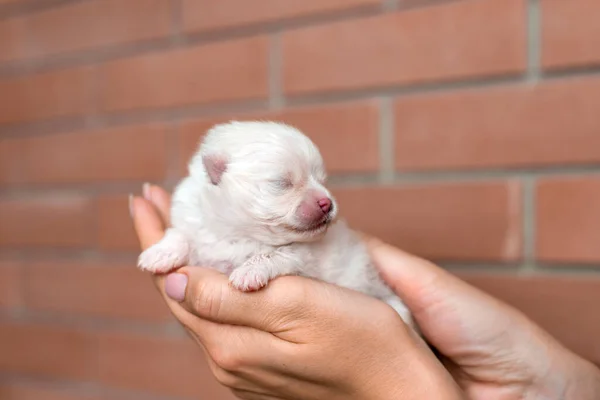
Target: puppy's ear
{"x": 215, "y": 166}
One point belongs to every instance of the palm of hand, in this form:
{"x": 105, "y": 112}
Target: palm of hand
{"x": 492, "y": 351}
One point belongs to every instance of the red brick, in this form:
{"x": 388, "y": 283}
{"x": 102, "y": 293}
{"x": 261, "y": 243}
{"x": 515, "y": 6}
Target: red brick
{"x": 11, "y": 33}
{"x": 508, "y": 126}
{"x": 219, "y": 14}
{"x": 40, "y": 392}
{"x": 135, "y": 153}
{"x": 448, "y": 222}
{"x": 115, "y": 227}
{"x": 91, "y": 24}
{"x": 163, "y": 366}
{"x": 567, "y": 220}
{"x": 408, "y": 47}
{"x": 346, "y": 134}
{"x": 191, "y": 132}
{"x": 11, "y": 161}
{"x": 46, "y": 95}
{"x": 11, "y": 293}
{"x": 119, "y": 291}
{"x": 232, "y": 70}
{"x": 570, "y": 33}
{"x": 565, "y": 306}
{"x": 60, "y": 221}
{"x": 47, "y": 351}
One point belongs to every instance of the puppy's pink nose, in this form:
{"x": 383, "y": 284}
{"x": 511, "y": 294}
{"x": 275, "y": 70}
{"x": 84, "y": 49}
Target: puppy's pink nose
{"x": 325, "y": 204}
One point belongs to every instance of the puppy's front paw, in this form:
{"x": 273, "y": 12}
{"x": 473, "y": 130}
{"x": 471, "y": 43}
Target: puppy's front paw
{"x": 162, "y": 259}
{"x": 249, "y": 278}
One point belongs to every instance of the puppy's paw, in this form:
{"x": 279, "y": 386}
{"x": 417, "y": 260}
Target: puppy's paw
{"x": 402, "y": 311}
{"x": 249, "y": 278}
{"x": 160, "y": 259}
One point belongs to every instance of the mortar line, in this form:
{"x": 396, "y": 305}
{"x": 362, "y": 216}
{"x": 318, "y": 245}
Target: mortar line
{"x": 541, "y": 270}
{"x": 386, "y": 141}
{"x": 186, "y": 39}
{"x": 494, "y": 175}
{"x": 138, "y": 117}
{"x": 87, "y": 323}
{"x": 408, "y": 89}
{"x": 410, "y": 5}
{"x": 94, "y": 224}
{"x": 86, "y": 57}
{"x": 480, "y": 268}
{"x": 93, "y": 118}
{"x": 533, "y": 41}
{"x": 82, "y": 256}
{"x": 339, "y": 179}
{"x": 73, "y": 387}
{"x": 177, "y": 36}
{"x": 466, "y": 176}
{"x": 78, "y": 387}
{"x": 172, "y": 140}
{"x": 275, "y": 71}
{"x": 528, "y": 185}
{"x": 23, "y": 8}
{"x": 201, "y": 110}
{"x": 8, "y": 193}
{"x": 575, "y": 270}
{"x": 20, "y": 309}
{"x": 390, "y": 5}
{"x": 142, "y": 116}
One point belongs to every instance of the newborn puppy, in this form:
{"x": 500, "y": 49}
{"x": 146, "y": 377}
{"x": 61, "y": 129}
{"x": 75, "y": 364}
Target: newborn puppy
{"x": 255, "y": 207}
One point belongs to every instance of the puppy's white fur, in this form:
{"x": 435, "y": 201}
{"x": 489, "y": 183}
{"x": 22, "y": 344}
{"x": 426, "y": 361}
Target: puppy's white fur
{"x": 248, "y": 208}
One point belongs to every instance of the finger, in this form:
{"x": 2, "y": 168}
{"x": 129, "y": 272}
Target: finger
{"x": 161, "y": 199}
{"x": 252, "y": 395}
{"x": 231, "y": 346}
{"x": 437, "y": 298}
{"x": 233, "y": 349}
{"x": 148, "y": 224}
{"x": 417, "y": 281}
{"x": 224, "y": 343}
{"x": 207, "y": 294}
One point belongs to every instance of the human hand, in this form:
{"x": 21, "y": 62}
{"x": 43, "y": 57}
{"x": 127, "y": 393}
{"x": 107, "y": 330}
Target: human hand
{"x": 297, "y": 338}
{"x": 493, "y": 351}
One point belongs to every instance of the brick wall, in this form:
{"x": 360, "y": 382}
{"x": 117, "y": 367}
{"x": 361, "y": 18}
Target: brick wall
{"x": 465, "y": 131}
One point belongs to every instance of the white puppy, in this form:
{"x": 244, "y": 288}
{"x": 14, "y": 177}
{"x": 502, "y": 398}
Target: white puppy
{"x": 255, "y": 207}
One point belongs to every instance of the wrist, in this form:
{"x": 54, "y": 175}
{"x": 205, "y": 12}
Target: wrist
{"x": 583, "y": 382}
{"x": 570, "y": 378}
{"x": 416, "y": 375}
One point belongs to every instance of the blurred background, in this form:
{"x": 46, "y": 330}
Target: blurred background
{"x": 466, "y": 131}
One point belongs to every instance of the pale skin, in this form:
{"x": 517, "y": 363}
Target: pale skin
{"x": 302, "y": 339}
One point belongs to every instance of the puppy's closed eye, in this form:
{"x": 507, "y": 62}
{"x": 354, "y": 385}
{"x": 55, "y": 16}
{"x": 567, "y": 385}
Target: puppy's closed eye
{"x": 282, "y": 184}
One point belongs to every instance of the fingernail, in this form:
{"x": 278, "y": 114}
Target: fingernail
{"x": 131, "y": 205}
{"x": 175, "y": 285}
{"x": 147, "y": 192}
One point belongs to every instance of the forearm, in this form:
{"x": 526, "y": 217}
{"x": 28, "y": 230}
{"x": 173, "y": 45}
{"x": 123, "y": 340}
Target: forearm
{"x": 422, "y": 378}
{"x": 583, "y": 382}
{"x": 569, "y": 378}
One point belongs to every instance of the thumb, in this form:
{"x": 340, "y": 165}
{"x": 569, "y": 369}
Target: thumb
{"x": 207, "y": 294}
{"x": 416, "y": 281}
{"x": 437, "y": 299}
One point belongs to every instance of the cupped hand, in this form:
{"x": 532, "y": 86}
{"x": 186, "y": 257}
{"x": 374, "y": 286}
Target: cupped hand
{"x": 297, "y": 338}
{"x": 493, "y": 351}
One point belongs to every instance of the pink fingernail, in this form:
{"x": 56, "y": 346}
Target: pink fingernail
{"x": 147, "y": 192}
{"x": 175, "y": 285}
{"x": 131, "y": 205}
